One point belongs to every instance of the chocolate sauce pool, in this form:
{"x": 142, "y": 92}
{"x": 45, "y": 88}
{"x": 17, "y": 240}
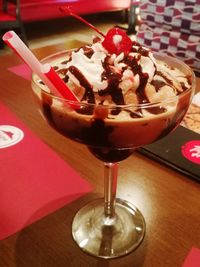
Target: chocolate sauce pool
{"x": 97, "y": 135}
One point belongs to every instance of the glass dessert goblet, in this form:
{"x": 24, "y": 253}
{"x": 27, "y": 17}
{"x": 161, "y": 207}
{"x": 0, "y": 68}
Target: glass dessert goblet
{"x": 112, "y": 227}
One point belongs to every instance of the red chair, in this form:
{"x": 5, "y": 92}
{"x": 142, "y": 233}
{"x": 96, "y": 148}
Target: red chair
{"x": 10, "y": 18}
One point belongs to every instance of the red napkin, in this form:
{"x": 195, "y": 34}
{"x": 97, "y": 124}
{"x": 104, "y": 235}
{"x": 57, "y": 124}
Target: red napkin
{"x": 34, "y": 180}
{"x": 21, "y": 70}
{"x": 193, "y": 258}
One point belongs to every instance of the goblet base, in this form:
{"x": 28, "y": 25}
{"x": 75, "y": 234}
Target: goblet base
{"x": 106, "y": 237}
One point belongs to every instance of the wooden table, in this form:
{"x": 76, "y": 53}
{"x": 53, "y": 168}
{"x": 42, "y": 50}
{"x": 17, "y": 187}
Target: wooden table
{"x": 169, "y": 201}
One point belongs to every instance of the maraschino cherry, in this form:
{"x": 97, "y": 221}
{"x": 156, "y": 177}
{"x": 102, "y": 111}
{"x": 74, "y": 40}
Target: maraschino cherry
{"x": 115, "y": 41}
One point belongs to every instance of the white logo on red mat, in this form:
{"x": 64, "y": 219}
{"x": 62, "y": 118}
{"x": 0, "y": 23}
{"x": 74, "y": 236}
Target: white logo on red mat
{"x": 191, "y": 151}
{"x": 10, "y": 135}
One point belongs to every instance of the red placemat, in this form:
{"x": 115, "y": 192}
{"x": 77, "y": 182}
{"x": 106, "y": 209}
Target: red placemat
{"x": 21, "y": 70}
{"x": 34, "y": 180}
{"x": 193, "y": 258}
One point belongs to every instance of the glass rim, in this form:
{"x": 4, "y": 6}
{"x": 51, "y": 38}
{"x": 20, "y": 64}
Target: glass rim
{"x": 132, "y": 105}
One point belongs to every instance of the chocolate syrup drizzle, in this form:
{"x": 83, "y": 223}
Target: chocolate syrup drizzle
{"x": 114, "y": 78}
{"x": 89, "y": 94}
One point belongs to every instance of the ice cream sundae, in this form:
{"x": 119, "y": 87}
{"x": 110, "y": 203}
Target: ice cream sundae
{"x": 112, "y": 95}
{"x": 128, "y": 96}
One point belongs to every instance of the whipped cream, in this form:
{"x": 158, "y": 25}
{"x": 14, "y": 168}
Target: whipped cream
{"x": 97, "y": 76}
{"x": 93, "y": 67}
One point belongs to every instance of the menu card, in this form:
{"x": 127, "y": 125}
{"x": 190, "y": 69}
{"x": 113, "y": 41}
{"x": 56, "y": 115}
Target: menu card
{"x": 34, "y": 180}
{"x": 180, "y": 150}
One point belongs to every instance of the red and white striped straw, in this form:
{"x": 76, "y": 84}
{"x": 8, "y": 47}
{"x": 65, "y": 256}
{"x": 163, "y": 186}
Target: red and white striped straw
{"x": 50, "y": 78}
{"x": 51, "y": 74}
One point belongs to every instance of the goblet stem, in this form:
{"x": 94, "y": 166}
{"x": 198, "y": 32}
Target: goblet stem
{"x": 108, "y": 227}
{"x": 110, "y": 187}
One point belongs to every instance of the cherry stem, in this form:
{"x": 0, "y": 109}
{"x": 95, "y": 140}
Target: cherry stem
{"x": 68, "y": 11}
